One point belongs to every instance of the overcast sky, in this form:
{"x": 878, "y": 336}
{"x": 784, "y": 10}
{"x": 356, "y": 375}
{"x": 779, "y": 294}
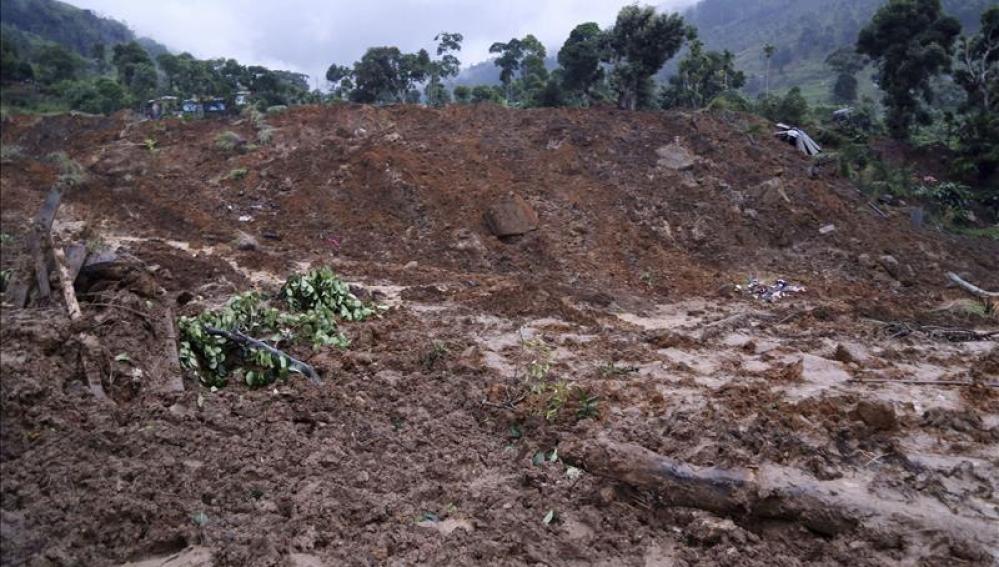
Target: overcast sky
{"x": 307, "y": 35}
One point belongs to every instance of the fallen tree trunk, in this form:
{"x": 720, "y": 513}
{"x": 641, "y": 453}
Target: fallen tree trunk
{"x": 971, "y": 288}
{"x": 32, "y": 271}
{"x": 240, "y": 338}
{"x": 770, "y": 492}
{"x": 65, "y": 281}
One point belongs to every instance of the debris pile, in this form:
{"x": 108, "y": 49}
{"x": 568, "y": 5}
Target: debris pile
{"x": 798, "y": 138}
{"x": 770, "y": 293}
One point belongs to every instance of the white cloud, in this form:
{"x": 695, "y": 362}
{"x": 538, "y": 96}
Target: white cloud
{"x": 307, "y": 35}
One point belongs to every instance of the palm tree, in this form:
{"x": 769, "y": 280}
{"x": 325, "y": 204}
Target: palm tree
{"x": 768, "y": 51}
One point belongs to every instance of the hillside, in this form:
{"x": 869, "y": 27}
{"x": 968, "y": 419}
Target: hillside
{"x": 567, "y": 368}
{"x": 74, "y": 28}
{"x": 803, "y": 32}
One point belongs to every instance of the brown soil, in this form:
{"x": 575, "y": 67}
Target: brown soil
{"x": 420, "y": 445}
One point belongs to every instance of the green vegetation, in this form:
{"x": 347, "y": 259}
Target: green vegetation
{"x": 228, "y": 141}
{"x": 56, "y": 57}
{"x": 911, "y": 41}
{"x": 71, "y": 173}
{"x": 552, "y": 398}
{"x": 307, "y": 309}
{"x": 436, "y": 353}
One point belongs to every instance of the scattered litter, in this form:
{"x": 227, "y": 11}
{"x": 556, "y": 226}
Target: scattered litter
{"x": 550, "y": 517}
{"x": 245, "y": 218}
{"x": 798, "y": 138}
{"x": 770, "y": 293}
{"x": 827, "y": 229}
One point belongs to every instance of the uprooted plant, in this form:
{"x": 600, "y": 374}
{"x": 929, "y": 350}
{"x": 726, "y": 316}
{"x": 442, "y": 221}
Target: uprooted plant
{"x": 230, "y": 340}
{"x": 550, "y": 397}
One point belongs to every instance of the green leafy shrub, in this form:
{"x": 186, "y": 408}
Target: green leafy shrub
{"x": 237, "y": 173}
{"x": 315, "y": 302}
{"x": 229, "y": 141}
{"x": 321, "y": 290}
{"x": 265, "y": 135}
{"x": 951, "y": 200}
{"x": 70, "y": 171}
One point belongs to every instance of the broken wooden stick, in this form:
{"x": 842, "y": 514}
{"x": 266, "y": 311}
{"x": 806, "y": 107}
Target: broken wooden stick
{"x": 923, "y": 382}
{"x": 971, "y": 288}
{"x": 240, "y": 338}
{"x": 172, "y": 379}
{"x": 32, "y": 271}
{"x": 768, "y": 492}
{"x": 65, "y": 281}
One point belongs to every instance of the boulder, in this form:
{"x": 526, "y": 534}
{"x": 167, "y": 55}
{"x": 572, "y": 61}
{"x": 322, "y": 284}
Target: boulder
{"x": 511, "y": 217}
{"x": 676, "y": 157}
{"x": 876, "y": 415}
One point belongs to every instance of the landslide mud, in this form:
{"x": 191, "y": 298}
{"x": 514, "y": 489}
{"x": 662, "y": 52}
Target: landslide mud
{"x": 421, "y": 445}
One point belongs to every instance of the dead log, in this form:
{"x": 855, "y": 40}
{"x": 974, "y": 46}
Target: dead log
{"x": 769, "y": 492}
{"x": 32, "y": 270}
{"x": 90, "y": 356}
{"x": 65, "y": 281}
{"x": 76, "y": 255}
{"x": 172, "y": 379}
{"x": 41, "y": 270}
{"x": 971, "y": 288}
{"x": 241, "y": 339}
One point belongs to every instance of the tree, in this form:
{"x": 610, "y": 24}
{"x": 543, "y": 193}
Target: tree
{"x": 384, "y": 74}
{"x": 484, "y": 93}
{"x": 978, "y": 75}
{"x": 462, "y": 94}
{"x": 638, "y": 46}
{"x": 526, "y": 55}
{"x": 552, "y": 94}
{"x": 144, "y": 80}
{"x": 580, "y": 58}
{"x": 911, "y": 41}
{"x": 340, "y": 78}
{"x": 447, "y": 66}
{"x": 12, "y": 67}
{"x": 102, "y": 96}
{"x": 846, "y": 62}
{"x": 510, "y": 54}
{"x": 126, "y": 58}
{"x": 56, "y": 63}
{"x": 791, "y": 108}
{"x": 978, "y": 64}
{"x": 768, "y": 53}
{"x": 701, "y": 77}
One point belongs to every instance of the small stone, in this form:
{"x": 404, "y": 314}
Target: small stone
{"x": 877, "y": 415}
{"x": 709, "y": 530}
{"x": 245, "y": 241}
{"x": 890, "y": 264}
{"x": 827, "y": 229}
{"x": 843, "y": 355}
{"x": 866, "y": 261}
{"x": 411, "y": 265}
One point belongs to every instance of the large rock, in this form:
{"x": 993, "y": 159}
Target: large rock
{"x": 511, "y": 217}
{"x": 675, "y": 156}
